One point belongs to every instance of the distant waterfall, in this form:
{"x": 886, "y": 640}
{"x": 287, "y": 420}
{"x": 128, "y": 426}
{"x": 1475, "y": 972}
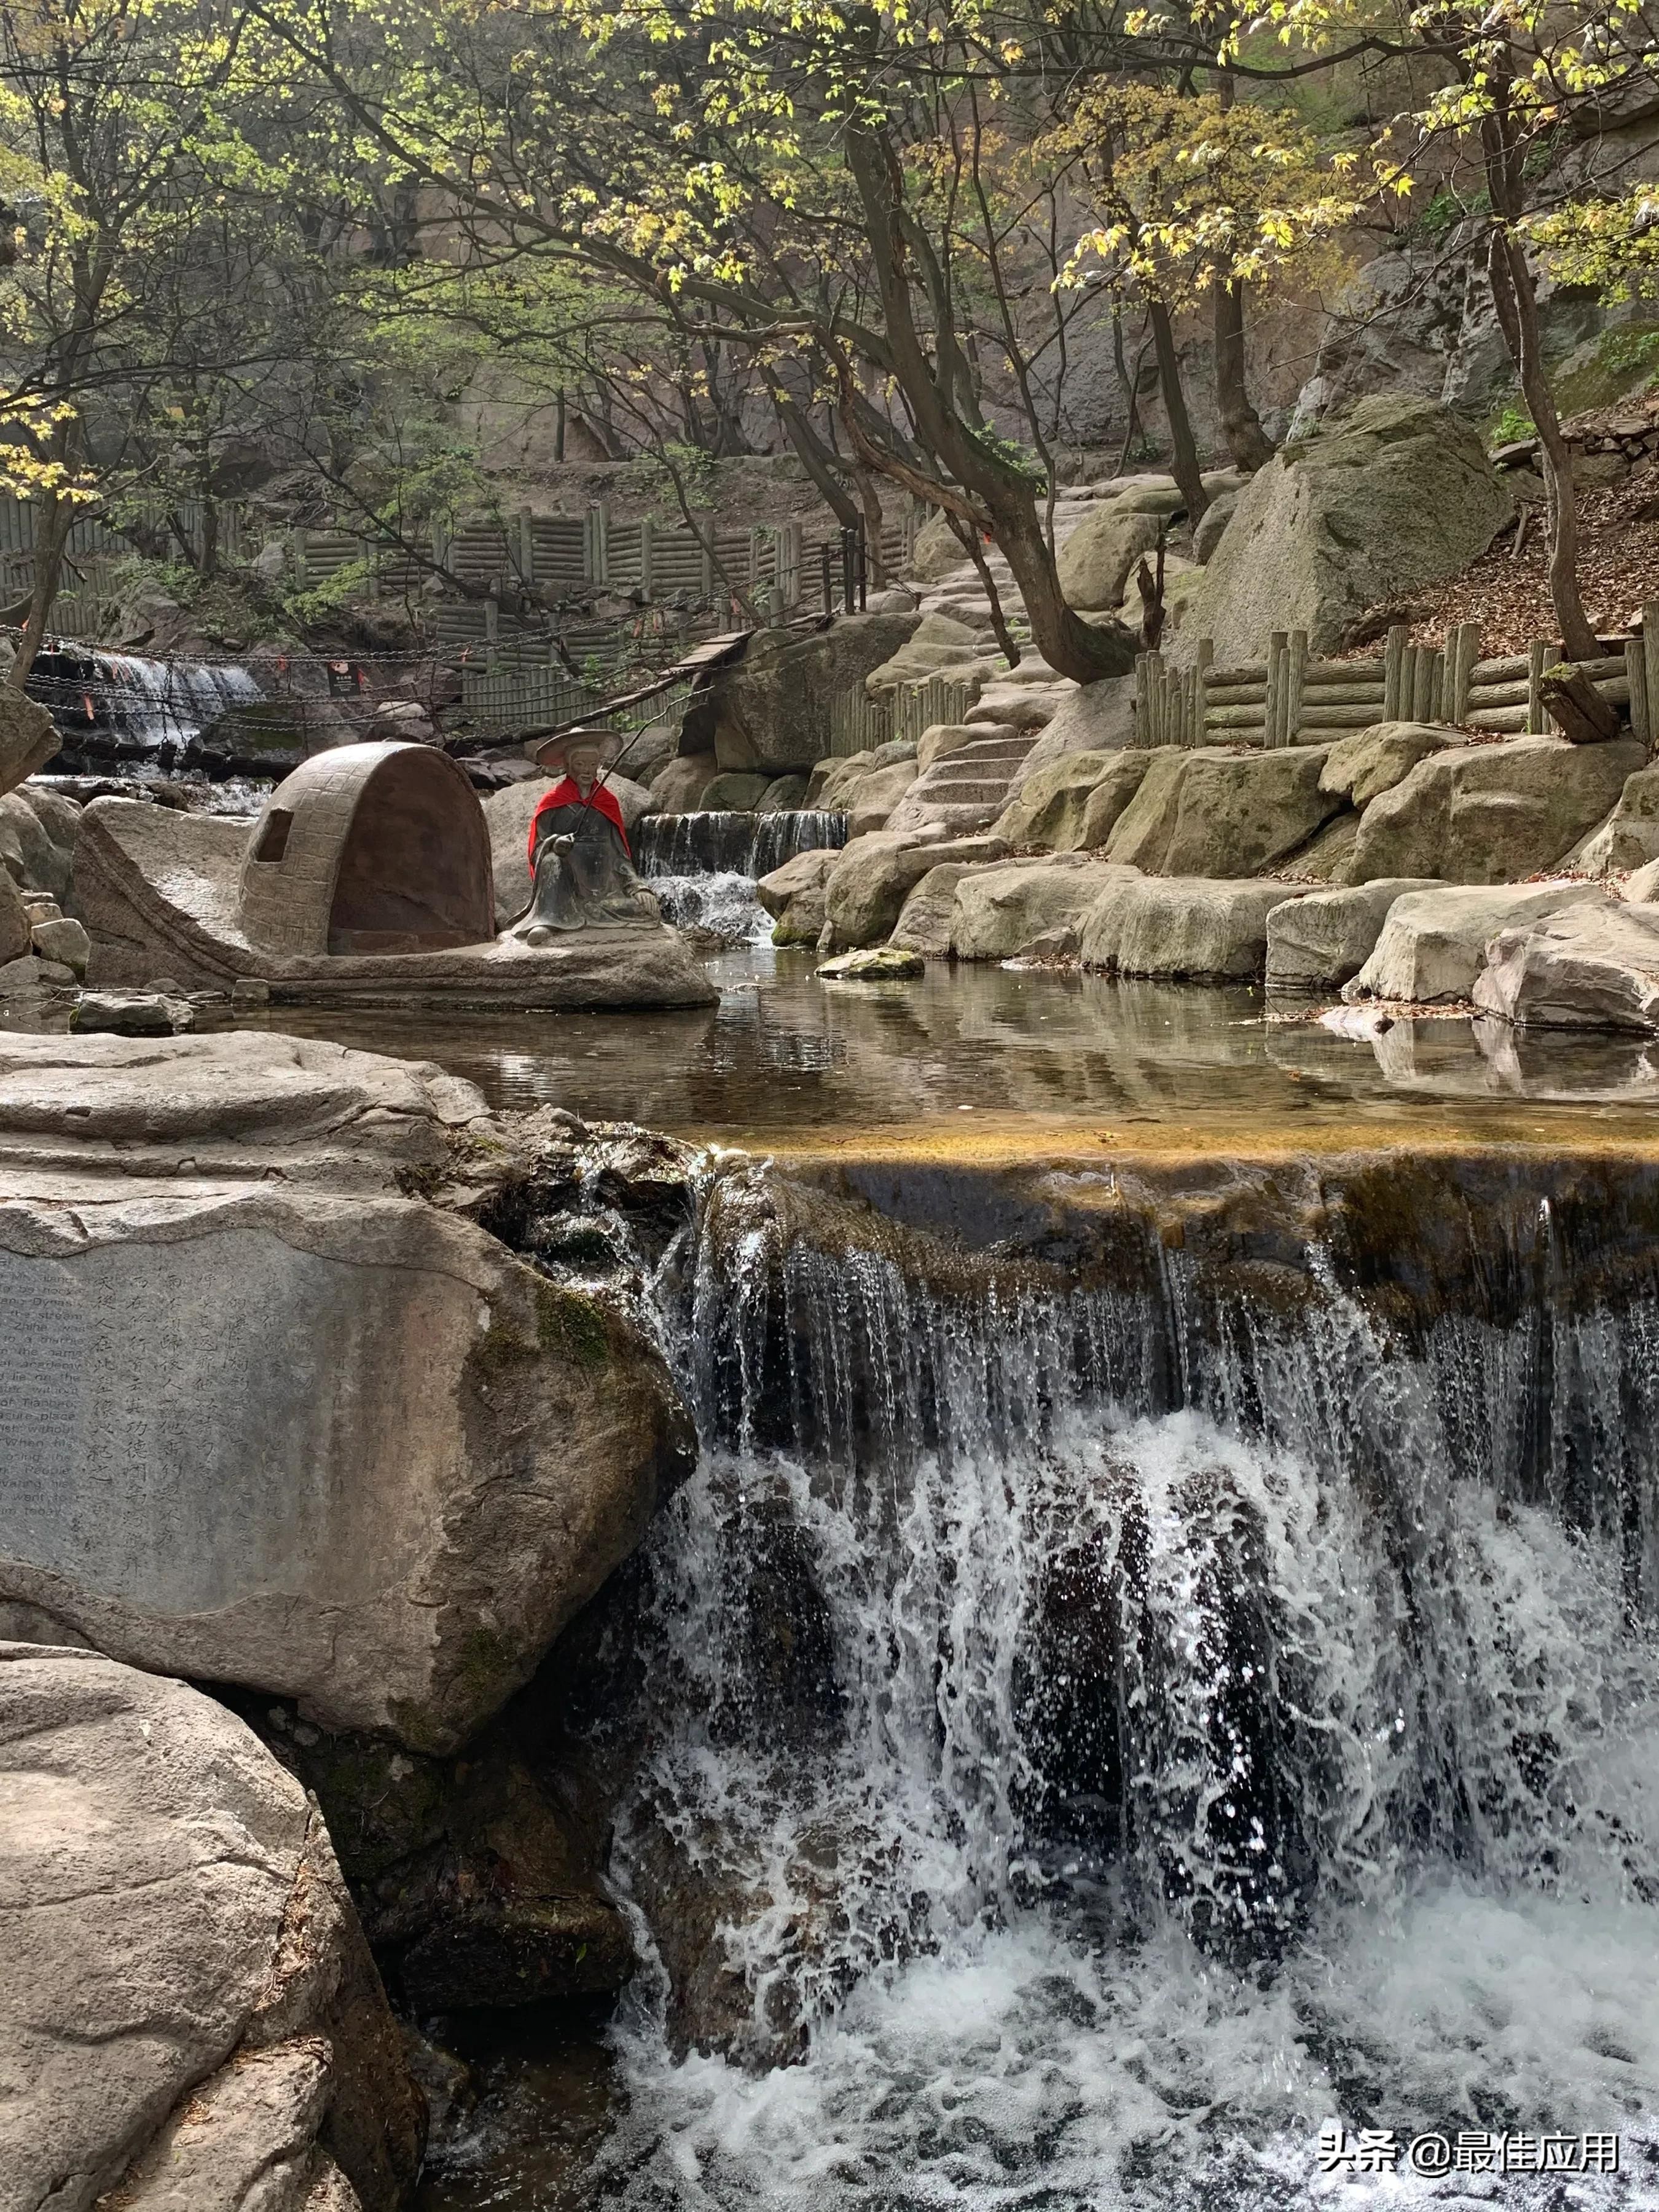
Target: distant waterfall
{"x": 730, "y": 843}
{"x": 1100, "y": 1740}
{"x": 116, "y": 703}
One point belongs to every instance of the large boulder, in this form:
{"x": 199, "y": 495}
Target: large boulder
{"x": 29, "y": 737}
{"x": 507, "y": 813}
{"x": 386, "y": 1463}
{"x": 678, "y": 787}
{"x": 1318, "y": 941}
{"x": 793, "y": 896}
{"x": 1491, "y": 814}
{"x": 37, "y": 839}
{"x": 1097, "y": 561}
{"x": 873, "y": 799}
{"x": 1184, "y": 927}
{"x": 14, "y": 922}
{"x": 1073, "y": 805}
{"x": 927, "y": 918}
{"x": 865, "y": 892}
{"x": 1629, "y": 838}
{"x": 774, "y": 706}
{"x": 1364, "y": 507}
{"x": 1361, "y": 768}
{"x": 1000, "y": 911}
{"x": 1593, "y": 965}
{"x": 1433, "y": 944}
{"x": 190, "y": 2014}
{"x": 1211, "y": 811}
{"x": 736, "y": 791}
{"x": 1094, "y": 718}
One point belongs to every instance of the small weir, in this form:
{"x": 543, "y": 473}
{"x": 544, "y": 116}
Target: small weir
{"x": 733, "y": 844}
{"x": 1105, "y": 1719}
{"x": 703, "y": 867}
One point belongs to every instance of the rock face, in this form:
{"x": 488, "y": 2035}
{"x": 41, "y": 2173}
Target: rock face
{"x": 793, "y": 896}
{"x": 1209, "y": 811}
{"x": 1001, "y": 911}
{"x": 29, "y": 737}
{"x": 1181, "y": 927}
{"x": 1095, "y": 563}
{"x": 1593, "y": 965}
{"x": 1097, "y": 718}
{"x": 1072, "y": 805}
{"x": 1629, "y": 838}
{"x": 929, "y": 913}
{"x": 14, "y": 931}
{"x": 1360, "y": 767}
{"x": 1318, "y": 941}
{"x": 678, "y": 787}
{"x": 1433, "y": 944}
{"x": 244, "y": 2051}
{"x": 864, "y": 892}
{"x": 1491, "y": 814}
{"x": 435, "y": 1457}
{"x": 1390, "y": 497}
{"x": 775, "y": 703}
{"x": 37, "y": 839}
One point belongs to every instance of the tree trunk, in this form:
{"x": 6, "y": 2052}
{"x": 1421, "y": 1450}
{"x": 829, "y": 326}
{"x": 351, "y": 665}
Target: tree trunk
{"x": 1247, "y": 441}
{"x": 51, "y": 541}
{"x": 1516, "y": 297}
{"x": 1084, "y": 650}
{"x": 816, "y": 458}
{"x": 1184, "y": 463}
{"x": 876, "y": 569}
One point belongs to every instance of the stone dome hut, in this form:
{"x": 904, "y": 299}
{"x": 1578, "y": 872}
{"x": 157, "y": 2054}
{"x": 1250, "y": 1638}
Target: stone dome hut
{"x": 369, "y": 848}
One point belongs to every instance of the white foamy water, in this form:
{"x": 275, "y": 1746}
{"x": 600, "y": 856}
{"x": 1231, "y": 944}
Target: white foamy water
{"x": 723, "y": 904}
{"x": 1052, "y": 1801}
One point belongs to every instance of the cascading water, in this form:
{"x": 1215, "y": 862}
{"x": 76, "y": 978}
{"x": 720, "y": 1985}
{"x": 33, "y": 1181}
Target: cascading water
{"x": 127, "y": 704}
{"x": 716, "y": 843}
{"x": 1099, "y": 1742}
{"x": 703, "y": 867}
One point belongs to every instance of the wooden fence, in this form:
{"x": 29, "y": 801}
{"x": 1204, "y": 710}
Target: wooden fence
{"x": 773, "y": 568}
{"x": 858, "y": 723}
{"x": 1290, "y": 699}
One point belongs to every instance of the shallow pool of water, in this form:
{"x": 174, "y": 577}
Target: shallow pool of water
{"x": 787, "y": 1059}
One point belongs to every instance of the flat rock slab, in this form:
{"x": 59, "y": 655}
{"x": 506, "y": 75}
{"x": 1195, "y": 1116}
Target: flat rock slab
{"x": 178, "y": 1940}
{"x": 1591, "y": 966}
{"x": 300, "y": 1433}
{"x": 1185, "y": 926}
{"x": 1433, "y": 944}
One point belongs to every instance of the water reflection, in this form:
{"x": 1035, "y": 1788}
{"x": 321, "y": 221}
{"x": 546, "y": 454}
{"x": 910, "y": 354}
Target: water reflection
{"x": 784, "y": 1053}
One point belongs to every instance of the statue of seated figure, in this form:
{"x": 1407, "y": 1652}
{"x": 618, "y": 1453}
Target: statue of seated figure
{"x": 581, "y": 869}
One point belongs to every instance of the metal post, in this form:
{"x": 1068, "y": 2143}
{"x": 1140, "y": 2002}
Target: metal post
{"x": 863, "y": 567}
{"x": 829, "y": 595}
{"x": 847, "y": 586}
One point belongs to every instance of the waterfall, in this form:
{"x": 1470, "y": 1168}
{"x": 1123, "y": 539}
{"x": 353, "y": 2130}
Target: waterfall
{"x": 1095, "y": 1735}
{"x": 115, "y": 703}
{"x": 733, "y": 844}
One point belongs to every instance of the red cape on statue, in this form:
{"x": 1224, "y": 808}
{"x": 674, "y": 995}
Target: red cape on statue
{"x": 601, "y": 799}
